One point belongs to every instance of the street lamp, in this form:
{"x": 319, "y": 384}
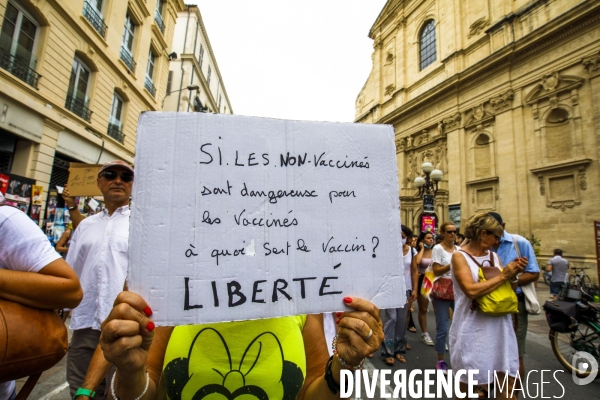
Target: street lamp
{"x": 189, "y": 87}
{"x": 428, "y": 185}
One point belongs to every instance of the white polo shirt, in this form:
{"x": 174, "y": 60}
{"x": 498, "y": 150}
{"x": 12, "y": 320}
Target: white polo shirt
{"x": 98, "y": 254}
{"x": 23, "y": 247}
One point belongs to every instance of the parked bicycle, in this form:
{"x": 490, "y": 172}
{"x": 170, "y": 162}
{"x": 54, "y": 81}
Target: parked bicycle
{"x": 547, "y": 277}
{"x": 580, "y": 279}
{"x": 574, "y": 327}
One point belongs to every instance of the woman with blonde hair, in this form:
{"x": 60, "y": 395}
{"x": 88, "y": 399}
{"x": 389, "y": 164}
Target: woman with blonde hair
{"x": 480, "y": 341}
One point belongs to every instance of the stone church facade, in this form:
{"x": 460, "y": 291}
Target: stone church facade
{"x": 502, "y": 96}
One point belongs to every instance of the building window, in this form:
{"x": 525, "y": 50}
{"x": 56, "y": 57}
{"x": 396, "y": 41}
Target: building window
{"x": 201, "y": 55}
{"x": 158, "y": 16}
{"x": 92, "y": 11}
{"x": 148, "y": 83}
{"x": 77, "y": 99}
{"x": 208, "y": 77}
{"x": 17, "y": 44}
{"x": 115, "y": 125}
{"x": 427, "y": 44}
{"x": 127, "y": 45}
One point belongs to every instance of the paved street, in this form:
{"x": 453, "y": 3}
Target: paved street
{"x": 52, "y": 385}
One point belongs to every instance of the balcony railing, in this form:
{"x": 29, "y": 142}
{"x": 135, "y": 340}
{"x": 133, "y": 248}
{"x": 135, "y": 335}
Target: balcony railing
{"x": 95, "y": 18}
{"x": 159, "y": 21}
{"x": 150, "y": 86}
{"x": 127, "y": 59}
{"x": 79, "y": 107}
{"x": 19, "y": 68}
{"x": 114, "y": 131}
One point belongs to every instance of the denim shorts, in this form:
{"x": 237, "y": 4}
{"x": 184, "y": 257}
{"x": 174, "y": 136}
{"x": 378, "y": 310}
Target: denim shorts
{"x": 555, "y": 287}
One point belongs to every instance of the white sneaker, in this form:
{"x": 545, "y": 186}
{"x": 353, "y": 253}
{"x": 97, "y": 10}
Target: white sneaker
{"x": 425, "y": 338}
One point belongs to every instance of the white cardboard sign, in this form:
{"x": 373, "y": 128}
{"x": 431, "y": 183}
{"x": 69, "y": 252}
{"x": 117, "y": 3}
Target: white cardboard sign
{"x": 237, "y": 218}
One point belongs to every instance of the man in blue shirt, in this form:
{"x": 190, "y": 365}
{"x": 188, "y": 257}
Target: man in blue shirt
{"x": 507, "y": 252}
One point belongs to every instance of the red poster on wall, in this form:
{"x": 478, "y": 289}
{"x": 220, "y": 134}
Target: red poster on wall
{"x": 428, "y": 223}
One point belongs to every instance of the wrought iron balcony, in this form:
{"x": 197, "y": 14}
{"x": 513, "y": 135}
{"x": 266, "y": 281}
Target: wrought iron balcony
{"x": 79, "y": 107}
{"x": 150, "y": 86}
{"x": 114, "y": 131}
{"x": 19, "y": 68}
{"x": 127, "y": 59}
{"x": 95, "y": 18}
{"x": 159, "y": 21}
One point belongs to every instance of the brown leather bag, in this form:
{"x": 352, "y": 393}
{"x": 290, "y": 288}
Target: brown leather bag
{"x": 32, "y": 340}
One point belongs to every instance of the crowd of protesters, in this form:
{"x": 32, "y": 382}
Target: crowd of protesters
{"x": 115, "y": 350}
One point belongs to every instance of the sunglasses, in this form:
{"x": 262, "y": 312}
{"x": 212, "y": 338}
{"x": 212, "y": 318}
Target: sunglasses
{"x": 451, "y": 232}
{"x": 112, "y": 175}
{"x": 498, "y": 238}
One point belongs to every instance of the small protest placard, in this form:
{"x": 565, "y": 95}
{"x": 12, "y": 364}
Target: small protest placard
{"x": 237, "y": 218}
{"x": 82, "y": 179}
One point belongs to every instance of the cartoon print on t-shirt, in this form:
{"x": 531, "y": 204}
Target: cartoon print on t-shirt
{"x": 262, "y": 360}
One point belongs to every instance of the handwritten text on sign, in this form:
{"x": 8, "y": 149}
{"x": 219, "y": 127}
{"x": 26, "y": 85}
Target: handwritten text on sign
{"x": 238, "y": 218}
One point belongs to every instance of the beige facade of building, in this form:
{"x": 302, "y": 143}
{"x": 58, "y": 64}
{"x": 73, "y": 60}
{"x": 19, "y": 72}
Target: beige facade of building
{"x": 196, "y": 66}
{"x": 74, "y": 78}
{"x": 504, "y": 97}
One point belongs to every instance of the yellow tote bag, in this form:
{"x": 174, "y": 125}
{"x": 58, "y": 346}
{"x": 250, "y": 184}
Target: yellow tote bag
{"x": 502, "y": 300}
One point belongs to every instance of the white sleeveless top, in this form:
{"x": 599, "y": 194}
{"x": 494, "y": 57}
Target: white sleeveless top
{"x": 479, "y": 341}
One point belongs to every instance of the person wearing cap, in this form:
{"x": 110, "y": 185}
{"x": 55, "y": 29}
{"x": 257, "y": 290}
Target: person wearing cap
{"x": 507, "y": 252}
{"x": 98, "y": 254}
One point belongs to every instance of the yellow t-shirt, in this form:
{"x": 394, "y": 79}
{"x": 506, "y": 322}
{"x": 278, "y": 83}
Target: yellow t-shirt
{"x": 249, "y": 360}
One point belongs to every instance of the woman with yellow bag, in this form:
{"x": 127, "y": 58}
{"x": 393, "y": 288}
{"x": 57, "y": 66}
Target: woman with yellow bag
{"x": 482, "y": 335}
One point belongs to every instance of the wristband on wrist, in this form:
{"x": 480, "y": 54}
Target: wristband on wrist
{"x": 72, "y": 208}
{"x": 112, "y": 387}
{"x": 84, "y": 392}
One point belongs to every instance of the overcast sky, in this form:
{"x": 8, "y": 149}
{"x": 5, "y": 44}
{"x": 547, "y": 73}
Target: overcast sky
{"x": 292, "y": 59}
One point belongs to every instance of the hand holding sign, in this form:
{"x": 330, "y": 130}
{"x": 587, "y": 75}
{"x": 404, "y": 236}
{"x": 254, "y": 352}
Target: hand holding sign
{"x": 262, "y": 217}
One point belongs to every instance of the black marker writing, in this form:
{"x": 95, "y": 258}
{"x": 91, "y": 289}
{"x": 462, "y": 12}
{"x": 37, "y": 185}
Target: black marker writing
{"x": 189, "y": 252}
{"x": 207, "y": 220}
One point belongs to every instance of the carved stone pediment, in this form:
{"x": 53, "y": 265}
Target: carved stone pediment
{"x": 502, "y": 102}
{"x": 478, "y": 116}
{"x": 423, "y": 138}
{"x": 551, "y": 85}
{"x": 451, "y": 123}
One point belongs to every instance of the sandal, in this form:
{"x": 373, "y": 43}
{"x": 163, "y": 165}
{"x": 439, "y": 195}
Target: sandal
{"x": 370, "y": 355}
{"x": 400, "y": 358}
{"x": 389, "y": 360}
{"x": 412, "y": 329}
{"x": 408, "y": 347}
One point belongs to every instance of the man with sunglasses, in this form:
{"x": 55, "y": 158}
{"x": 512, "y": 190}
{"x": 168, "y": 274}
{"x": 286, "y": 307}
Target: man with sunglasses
{"x": 98, "y": 254}
{"x": 505, "y": 247}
